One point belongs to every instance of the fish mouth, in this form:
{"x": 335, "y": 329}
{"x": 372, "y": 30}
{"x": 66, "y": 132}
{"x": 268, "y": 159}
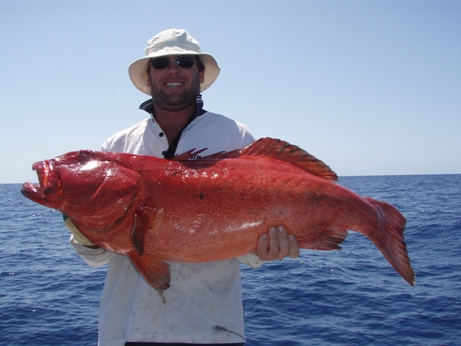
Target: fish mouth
{"x": 48, "y": 182}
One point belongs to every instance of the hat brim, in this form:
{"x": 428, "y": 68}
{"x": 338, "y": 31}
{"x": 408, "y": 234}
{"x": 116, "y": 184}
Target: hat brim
{"x": 138, "y": 70}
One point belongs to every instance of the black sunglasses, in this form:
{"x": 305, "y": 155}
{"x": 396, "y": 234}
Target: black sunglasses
{"x": 164, "y": 62}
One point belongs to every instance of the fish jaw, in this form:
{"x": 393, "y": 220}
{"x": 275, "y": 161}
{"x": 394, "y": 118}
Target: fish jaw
{"x": 45, "y": 192}
{"x": 91, "y": 188}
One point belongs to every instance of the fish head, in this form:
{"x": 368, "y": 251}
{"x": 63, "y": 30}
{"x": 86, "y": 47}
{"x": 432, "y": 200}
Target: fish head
{"x": 93, "y": 188}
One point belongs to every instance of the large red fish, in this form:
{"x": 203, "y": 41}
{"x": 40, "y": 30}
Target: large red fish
{"x": 214, "y": 208}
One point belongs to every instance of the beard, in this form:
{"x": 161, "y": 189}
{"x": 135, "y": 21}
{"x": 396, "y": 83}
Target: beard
{"x": 177, "y": 102}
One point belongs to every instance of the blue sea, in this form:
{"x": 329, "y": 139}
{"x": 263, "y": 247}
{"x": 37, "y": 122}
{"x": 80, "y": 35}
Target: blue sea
{"x": 48, "y": 296}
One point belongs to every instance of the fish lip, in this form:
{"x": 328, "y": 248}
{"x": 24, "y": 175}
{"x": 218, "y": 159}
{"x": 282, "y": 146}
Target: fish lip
{"x": 48, "y": 182}
{"x": 32, "y": 191}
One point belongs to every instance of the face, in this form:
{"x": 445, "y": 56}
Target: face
{"x": 175, "y": 88}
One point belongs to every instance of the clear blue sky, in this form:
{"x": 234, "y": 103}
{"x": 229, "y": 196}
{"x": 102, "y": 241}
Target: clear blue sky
{"x": 371, "y": 87}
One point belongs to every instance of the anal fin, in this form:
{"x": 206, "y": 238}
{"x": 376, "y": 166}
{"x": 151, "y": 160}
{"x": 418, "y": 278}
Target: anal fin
{"x": 330, "y": 239}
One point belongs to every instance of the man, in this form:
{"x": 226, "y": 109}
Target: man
{"x": 204, "y": 302}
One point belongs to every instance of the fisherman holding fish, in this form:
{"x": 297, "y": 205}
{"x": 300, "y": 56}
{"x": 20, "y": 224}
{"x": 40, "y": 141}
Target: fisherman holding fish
{"x": 203, "y": 304}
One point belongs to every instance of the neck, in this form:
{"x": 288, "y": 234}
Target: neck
{"x": 172, "y": 122}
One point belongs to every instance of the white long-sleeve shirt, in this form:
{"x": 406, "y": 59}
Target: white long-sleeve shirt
{"x": 204, "y": 301}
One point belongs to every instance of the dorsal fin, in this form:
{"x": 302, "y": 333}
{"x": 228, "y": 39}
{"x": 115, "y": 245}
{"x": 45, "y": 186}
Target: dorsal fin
{"x": 283, "y": 151}
{"x": 187, "y": 155}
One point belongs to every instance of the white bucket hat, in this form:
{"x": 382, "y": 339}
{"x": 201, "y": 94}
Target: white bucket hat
{"x": 172, "y": 42}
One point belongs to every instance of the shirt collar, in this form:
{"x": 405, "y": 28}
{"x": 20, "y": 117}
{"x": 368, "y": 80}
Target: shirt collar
{"x": 148, "y": 106}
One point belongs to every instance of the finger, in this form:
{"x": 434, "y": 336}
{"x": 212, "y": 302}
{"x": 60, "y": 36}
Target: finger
{"x": 284, "y": 244}
{"x": 262, "y": 249}
{"x": 294, "y": 248}
{"x": 274, "y": 248}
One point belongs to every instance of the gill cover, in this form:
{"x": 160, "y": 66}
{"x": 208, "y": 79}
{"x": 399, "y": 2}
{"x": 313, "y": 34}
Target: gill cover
{"x": 94, "y": 191}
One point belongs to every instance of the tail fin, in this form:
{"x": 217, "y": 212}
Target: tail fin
{"x": 390, "y": 239}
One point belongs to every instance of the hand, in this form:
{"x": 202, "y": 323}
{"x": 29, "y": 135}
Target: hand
{"x": 277, "y": 245}
{"x": 78, "y": 236}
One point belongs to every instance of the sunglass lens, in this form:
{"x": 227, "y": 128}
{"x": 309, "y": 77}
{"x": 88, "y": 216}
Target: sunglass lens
{"x": 185, "y": 62}
{"x": 160, "y": 63}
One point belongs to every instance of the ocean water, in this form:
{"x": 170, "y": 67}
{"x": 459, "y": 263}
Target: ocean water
{"x": 48, "y": 296}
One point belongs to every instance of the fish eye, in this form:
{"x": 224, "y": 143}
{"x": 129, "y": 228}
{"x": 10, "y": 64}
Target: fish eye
{"x": 84, "y": 154}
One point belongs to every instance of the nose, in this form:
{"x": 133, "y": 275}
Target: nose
{"x": 172, "y": 67}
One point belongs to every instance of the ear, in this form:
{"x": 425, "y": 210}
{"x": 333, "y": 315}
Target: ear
{"x": 201, "y": 76}
{"x": 148, "y": 80}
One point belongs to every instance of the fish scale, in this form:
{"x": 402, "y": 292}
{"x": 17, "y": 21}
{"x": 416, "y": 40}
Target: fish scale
{"x": 157, "y": 211}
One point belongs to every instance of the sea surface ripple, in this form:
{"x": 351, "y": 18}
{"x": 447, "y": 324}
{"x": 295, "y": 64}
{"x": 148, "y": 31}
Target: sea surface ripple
{"x": 49, "y": 296}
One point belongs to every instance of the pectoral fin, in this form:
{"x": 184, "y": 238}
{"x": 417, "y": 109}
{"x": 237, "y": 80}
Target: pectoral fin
{"x": 156, "y": 272}
{"x": 138, "y": 232}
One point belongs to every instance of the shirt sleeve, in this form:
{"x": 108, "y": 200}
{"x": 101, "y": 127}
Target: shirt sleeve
{"x": 251, "y": 260}
{"x": 93, "y": 257}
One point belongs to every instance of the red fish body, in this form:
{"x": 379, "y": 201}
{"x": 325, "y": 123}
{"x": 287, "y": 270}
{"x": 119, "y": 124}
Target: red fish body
{"x": 155, "y": 210}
